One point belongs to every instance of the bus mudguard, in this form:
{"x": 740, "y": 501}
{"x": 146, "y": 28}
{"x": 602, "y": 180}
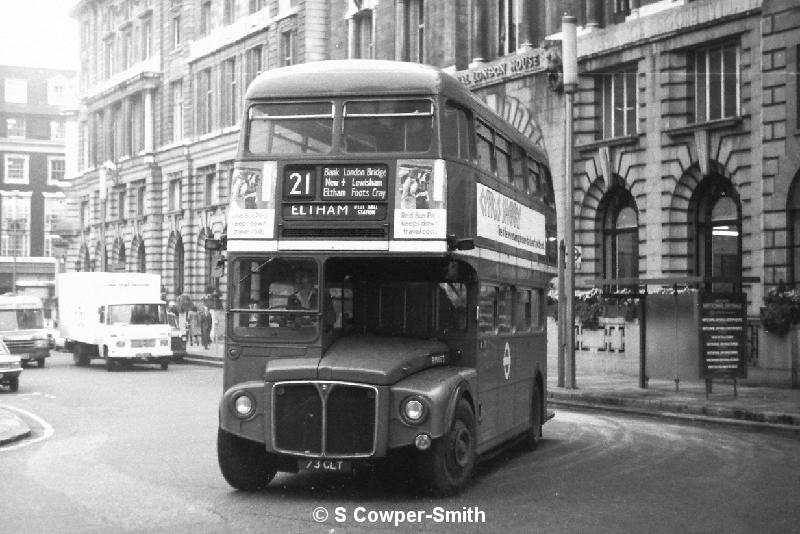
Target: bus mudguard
{"x": 440, "y": 389}
{"x": 241, "y": 410}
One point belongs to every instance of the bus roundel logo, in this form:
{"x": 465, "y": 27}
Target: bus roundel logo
{"x": 507, "y": 361}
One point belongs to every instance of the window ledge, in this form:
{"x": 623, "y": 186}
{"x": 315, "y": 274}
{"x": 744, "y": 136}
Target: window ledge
{"x": 716, "y": 124}
{"x": 611, "y": 142}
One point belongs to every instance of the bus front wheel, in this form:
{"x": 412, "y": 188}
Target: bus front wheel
{"x": 244, "y": 463}
{"x": 451, "y": 459}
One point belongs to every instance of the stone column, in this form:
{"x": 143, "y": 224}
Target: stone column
{"x": 401, "y": 30}
{"x": 351, "y": 38}
{"x": 593, "y": 13}
{"x": 480, "y": 32}
{"x": 525, "y": 26}
{"x": 149, "y": 144}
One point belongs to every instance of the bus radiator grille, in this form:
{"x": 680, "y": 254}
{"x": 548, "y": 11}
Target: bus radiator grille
{"x": 349, "y": 422}
{"x": 333, "y": 232}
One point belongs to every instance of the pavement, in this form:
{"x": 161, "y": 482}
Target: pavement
{"x": 751, "y": 406}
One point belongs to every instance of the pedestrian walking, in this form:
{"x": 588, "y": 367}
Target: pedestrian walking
{"x": 194, "y": 326}
{"x": 205, "y": 326}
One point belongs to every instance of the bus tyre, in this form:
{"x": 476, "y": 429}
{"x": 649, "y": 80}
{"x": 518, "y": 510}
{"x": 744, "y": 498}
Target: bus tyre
{"x": 13, "y": 384}
{"x": 40, "y": 362}
{"x": 244, "y": 463}
{"x": 111, "y": 365}
{"x": 534, "y": 433}
{"x": 451, "y": 459}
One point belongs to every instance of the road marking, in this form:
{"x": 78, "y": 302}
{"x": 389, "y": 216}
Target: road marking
{"x": 48, "y": 430}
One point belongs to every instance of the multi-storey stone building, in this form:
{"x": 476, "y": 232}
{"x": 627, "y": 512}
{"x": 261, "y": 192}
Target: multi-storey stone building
{"x": 686, "y": 120}
{"x": 32, "y": 172}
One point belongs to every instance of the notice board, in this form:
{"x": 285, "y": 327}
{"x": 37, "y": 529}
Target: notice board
{"x": 722, "y": 336}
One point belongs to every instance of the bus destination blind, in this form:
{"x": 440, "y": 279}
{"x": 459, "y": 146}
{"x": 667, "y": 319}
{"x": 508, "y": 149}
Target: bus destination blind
{"x": 335, "y": 192}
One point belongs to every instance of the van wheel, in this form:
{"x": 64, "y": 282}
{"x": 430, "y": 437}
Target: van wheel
{"x": 13, "y": 384}
{"x": 534, "y": 433}
{"x": 245, "y": 464}
{"x": 79, "y": 356}
{"x": 451, "y": 459}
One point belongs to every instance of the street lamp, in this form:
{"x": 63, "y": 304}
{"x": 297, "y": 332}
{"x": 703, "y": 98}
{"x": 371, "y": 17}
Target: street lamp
{"x": 569, "y": 52}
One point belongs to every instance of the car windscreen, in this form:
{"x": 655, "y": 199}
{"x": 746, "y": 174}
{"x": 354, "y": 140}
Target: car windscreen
{"x": 137, "y": 314}
{"x": 27, "y": 319}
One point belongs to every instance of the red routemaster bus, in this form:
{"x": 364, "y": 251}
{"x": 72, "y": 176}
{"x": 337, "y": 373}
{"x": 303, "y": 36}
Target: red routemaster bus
{"x": 389, "y": 242}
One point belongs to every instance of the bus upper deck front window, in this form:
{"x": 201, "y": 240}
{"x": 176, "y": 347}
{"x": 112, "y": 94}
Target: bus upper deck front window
{"x": 290, "y": 128}
{"x": 388, "y": 126}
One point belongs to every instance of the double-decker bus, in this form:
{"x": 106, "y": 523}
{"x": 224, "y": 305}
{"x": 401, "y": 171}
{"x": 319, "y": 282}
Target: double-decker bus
{"x": 389, "y": 243}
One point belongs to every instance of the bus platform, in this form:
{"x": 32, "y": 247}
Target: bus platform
{"x": 769, "y": 407}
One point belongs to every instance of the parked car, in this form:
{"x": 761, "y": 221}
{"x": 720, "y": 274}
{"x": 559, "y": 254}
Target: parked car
{"x": 177, "y": 337}
{"x": 10, "y": 368}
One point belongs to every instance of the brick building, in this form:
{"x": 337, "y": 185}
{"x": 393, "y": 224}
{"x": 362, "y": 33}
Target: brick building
{"x": 32, "y": 172}
{"x": 686, "y": 120}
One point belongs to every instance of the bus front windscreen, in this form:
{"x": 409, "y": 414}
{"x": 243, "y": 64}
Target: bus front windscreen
{"x": 388, "y": 126}
{"x": 290, "y": 128}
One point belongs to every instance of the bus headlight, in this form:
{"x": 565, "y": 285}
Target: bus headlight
{"x": 414, "y": 410}
{"x": 243, "y": 405}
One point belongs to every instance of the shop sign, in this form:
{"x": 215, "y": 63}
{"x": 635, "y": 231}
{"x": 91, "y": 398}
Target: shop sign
{"x": 504, "y": 69}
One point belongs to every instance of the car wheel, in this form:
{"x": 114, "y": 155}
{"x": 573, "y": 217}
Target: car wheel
{"x": 451, "y": 459}
{"x": 111, "y": 365}
{"x": 245, "y": 464}
{"x": 13, "y": 384}
{"x": 534, "y": 433}
{"x": 40, "y": 362}
{"x": 164, "y": 366}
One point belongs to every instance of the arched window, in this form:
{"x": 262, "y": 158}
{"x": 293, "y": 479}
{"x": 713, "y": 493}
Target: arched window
{"x": 620, "y": 235}
{"x": 141, "y": 263}
{"x": 178, "y": 267}
{"x": 718, "y": 231}
{"x": 121, "y": 257}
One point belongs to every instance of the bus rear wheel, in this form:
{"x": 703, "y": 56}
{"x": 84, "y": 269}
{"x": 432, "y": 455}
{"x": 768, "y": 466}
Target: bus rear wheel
{"x": 244, "y": 463}
{"x": 534, "y": 433}
{"x": 13, "y": 384}
{"x": 451, "y": 459}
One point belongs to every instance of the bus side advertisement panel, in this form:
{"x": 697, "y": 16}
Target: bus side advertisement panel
{"x": 506, "y": 221}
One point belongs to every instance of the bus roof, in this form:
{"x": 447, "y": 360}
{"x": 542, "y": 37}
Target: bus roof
{"x": 369, "y": 77}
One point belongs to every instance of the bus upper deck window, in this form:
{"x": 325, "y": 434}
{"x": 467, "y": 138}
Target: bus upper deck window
{"x": 290, "y": 128}
{"x": 388, "y": 126}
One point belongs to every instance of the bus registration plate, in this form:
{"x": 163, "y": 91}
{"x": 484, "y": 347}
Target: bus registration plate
{"x": 335, "y": 466}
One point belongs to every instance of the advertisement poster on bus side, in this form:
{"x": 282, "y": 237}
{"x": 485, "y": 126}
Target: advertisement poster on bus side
{"x": 248, "y": 216}
{"x": 506, "y": 221}
{"x": 419, "y": 208}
